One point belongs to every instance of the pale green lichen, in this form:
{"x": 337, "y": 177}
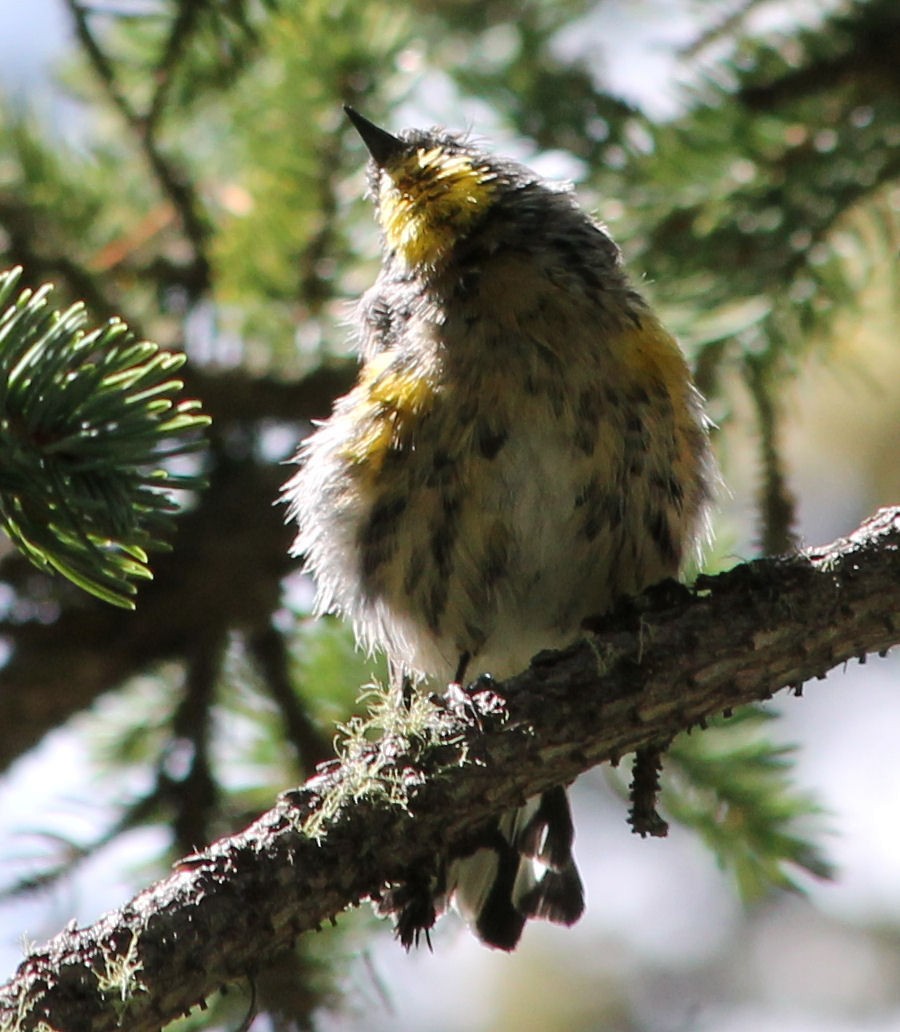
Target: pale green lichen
{"x": 118, "y": 979}
{"x": 371, "y": 749}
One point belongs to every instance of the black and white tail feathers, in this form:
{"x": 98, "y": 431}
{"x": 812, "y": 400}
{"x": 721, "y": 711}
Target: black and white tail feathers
{"x": 523, "y": 868}
{"x": 520, "y": 868}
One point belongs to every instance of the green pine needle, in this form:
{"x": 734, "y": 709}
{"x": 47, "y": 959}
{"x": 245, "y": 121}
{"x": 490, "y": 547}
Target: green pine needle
{"x": 86, "y": 419}
{"x": 734, "y": 787}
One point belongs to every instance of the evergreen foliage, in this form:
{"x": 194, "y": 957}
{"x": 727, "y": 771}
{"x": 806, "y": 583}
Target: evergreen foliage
{"x": 86, "y": 419}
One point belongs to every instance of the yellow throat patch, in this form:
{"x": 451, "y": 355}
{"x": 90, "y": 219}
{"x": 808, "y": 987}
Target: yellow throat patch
{"x": 429, "y": 199}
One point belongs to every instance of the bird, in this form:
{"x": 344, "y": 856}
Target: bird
{"x": 524, "y": 446}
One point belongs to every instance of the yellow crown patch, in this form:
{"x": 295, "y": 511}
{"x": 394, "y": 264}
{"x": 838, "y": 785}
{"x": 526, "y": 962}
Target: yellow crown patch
{"x": 429, "y": 200}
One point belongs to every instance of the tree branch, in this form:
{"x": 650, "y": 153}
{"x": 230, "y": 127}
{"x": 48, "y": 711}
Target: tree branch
{"x": 659, "y": 666}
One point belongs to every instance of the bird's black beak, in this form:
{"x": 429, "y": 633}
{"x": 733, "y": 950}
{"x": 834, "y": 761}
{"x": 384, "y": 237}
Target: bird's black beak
{"x": 382, "y": 146}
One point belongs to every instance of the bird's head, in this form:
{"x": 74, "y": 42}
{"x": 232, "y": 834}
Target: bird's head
{"x": 431, "y": 188}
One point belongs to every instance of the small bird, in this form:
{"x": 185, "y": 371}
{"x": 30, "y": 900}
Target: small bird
{"x": 523, "y": 447}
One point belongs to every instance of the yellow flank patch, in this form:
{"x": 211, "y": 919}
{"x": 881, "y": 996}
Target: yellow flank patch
{"x": 429, "y": 200}
{"x": 654, "y": 359}
{"x": 389, "y": 400}
{"x": 652, "y": 355}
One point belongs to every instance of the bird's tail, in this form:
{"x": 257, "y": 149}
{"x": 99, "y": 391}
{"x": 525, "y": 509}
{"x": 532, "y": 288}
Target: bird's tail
{"x": 522, "y": 868}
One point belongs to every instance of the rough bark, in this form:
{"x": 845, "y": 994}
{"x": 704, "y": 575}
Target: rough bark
{"x": 658, "y": 667}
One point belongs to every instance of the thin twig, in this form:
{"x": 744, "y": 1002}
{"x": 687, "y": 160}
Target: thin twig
{"x": 172, "y": 180}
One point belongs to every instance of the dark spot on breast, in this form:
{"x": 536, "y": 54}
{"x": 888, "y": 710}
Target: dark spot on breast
{"x": 378, "y": 536}
{"x": 660, "y": 392}
{"x": 442, "y": 541}
{"x": 550, "y": 359}
{"x": 587, "y": 424}
{"x": 661, "y": 532}
{"x": 468, "y": 283}
{"x": 443, "y": 536}
{"x": 636, "y": 442}
{"x": 435, "y": 603}
{"x": 669, "y": 488}
{"x": 412, "y": 575}
{"x": 495, "y": 563}
{"x": 603, "y": 508}
{"x": 466, "y": 412}
{"x": 488, "y": 440}
{"x": 443, "y": 469}
{"x": 614, "y": 508}
{"x": 612, "y": 398}
{"x": 593, "y": 524}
